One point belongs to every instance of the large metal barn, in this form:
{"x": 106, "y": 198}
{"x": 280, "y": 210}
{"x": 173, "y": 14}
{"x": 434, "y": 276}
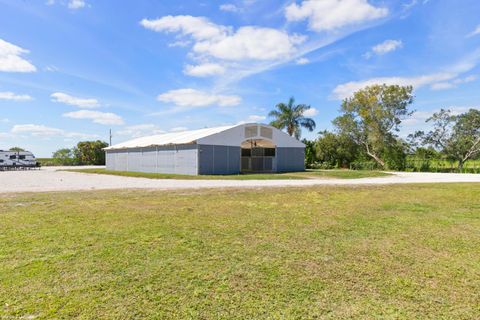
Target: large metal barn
{"x": 245, "y": 148}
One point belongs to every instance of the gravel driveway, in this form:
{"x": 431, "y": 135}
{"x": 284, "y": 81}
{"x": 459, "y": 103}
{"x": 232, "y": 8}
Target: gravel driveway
{"x": 49, "y": 179}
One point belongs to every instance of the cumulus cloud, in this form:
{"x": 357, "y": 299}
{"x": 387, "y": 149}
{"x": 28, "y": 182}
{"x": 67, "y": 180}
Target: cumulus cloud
{"x": 384, "y": 47}
{"x": 74, "y": 101}
{"x": 37, "y": 130}
{"x": 204, "y": 70}
{"x": 330, "y": 15}
{"x": 106, "y": 118}
{"x": 7, "y": 95}
{"x": 11, "y": 60}
{"x": 222, "y": 42}
{"x": 196, "y": 98}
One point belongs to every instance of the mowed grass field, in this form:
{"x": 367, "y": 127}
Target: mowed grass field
{"x": 395, "y": 252}
{"x": 307, "y": 174}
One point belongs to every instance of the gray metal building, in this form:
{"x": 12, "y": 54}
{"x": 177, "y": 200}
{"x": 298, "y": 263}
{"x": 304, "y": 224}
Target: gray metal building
{"x": 224, "y": 150}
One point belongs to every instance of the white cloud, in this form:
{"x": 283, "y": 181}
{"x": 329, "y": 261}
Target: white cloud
{"x": 196, "y": 98}
{"x": 253, "y": 119}
{"x": 229, "y": 7}
{"x": 347, "y": 89}
{"x": 418, "y": 118}
{"x": 178, "y": 129}
{"x": 452, "y": 84}
{"x": 36, "y": 130}
{"x": 11, "y": 60}
{"x": 384, "y": 47}
{"x": 329, "y": 15}
{"x": 106, "y": 118}
{"x": 74, "y": 101}
{"x": 140, "y": 130}
{"x": 452, "y": 74}
{"x": 7, "y": 95}
{"x": 222, "y": 42}
{"x": 4, "y": 120}
{"x": 302, "y": 61}
{"x": 76, "y": 4}
{"x": 474, "y": 32}
{"x": 44, "y": 131}
{"x": 199, "y": 28}
{"x": 442, "y": 86}
{"x": 312, "y": 112}
{"x": 204, "y": 70}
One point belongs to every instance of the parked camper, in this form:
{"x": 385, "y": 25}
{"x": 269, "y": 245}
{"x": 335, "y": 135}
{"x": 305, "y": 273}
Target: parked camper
{"x": 11, "y": 160}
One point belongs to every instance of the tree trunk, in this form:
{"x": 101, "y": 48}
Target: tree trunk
{"x": 374, "y": 156}
{"x": 377, "y": 159}
{"x": 460, "y": 165}
{"x": 290, "y": 130}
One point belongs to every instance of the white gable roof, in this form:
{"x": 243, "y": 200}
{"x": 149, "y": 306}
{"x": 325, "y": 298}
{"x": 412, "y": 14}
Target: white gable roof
{"x": 226, "y": 136}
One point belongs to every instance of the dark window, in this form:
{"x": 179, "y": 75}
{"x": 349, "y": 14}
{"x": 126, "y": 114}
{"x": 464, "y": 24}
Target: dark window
{"x": 13, "y": 157}
{"x": 257, "y": 152}
{"x": 1, "y": 160}
{"x": 269, "y": 152}
{"x": 21, "y": 157}
{"x": 246, "y": 152}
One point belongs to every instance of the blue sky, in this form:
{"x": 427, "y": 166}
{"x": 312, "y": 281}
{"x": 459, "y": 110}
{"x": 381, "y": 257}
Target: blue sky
{"x": 70, "y": 69}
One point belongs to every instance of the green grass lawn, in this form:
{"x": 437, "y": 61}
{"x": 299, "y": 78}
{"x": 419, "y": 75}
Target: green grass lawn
{"x": 409, "y": 252}
{"x": 308, "y": 174}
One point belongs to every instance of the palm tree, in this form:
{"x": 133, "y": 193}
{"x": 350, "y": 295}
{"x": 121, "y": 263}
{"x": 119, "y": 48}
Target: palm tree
{"x": 290, "y": 116}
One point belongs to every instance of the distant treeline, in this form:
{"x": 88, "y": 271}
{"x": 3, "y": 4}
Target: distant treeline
{"x": 365, "y": 136}
{"x": 85, "y": 153}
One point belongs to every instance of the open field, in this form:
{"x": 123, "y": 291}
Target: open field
{"x": 403, "y": 251}
{"x": 308, "y": 174}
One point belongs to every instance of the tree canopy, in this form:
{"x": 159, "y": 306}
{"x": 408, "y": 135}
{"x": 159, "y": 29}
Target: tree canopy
{"x": 291, "y": 117}
{"x": 457, "y": 136}
{"x": 372, "y": 116}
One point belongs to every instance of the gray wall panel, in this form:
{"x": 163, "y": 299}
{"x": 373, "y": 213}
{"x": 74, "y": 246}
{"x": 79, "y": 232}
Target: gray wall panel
{"x": 290, "y": 159}
{"x": 166, "y": 159}
{"x": 219, "y": 159}
{"x": 196, "y": 159}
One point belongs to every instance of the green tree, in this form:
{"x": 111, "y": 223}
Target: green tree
{"x": 91, "y": 152}
{"x": 309, "y": 153}
{"x": 64, "y": 156}
{"x": 336, "y": 150}
{"x": 291, "y": 117}
{"x": 458, "y": 137}
{"x": 16, "y": 149}
{"x": 372, "y": 116}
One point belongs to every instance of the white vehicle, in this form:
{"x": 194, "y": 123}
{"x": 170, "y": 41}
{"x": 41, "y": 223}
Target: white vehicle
{"x": 17, "y": 160}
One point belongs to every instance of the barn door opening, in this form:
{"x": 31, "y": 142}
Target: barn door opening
{"x": 258, "y": 155}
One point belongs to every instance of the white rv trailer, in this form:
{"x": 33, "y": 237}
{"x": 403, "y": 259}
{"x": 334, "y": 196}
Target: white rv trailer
{"x": 13, "y": 160}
